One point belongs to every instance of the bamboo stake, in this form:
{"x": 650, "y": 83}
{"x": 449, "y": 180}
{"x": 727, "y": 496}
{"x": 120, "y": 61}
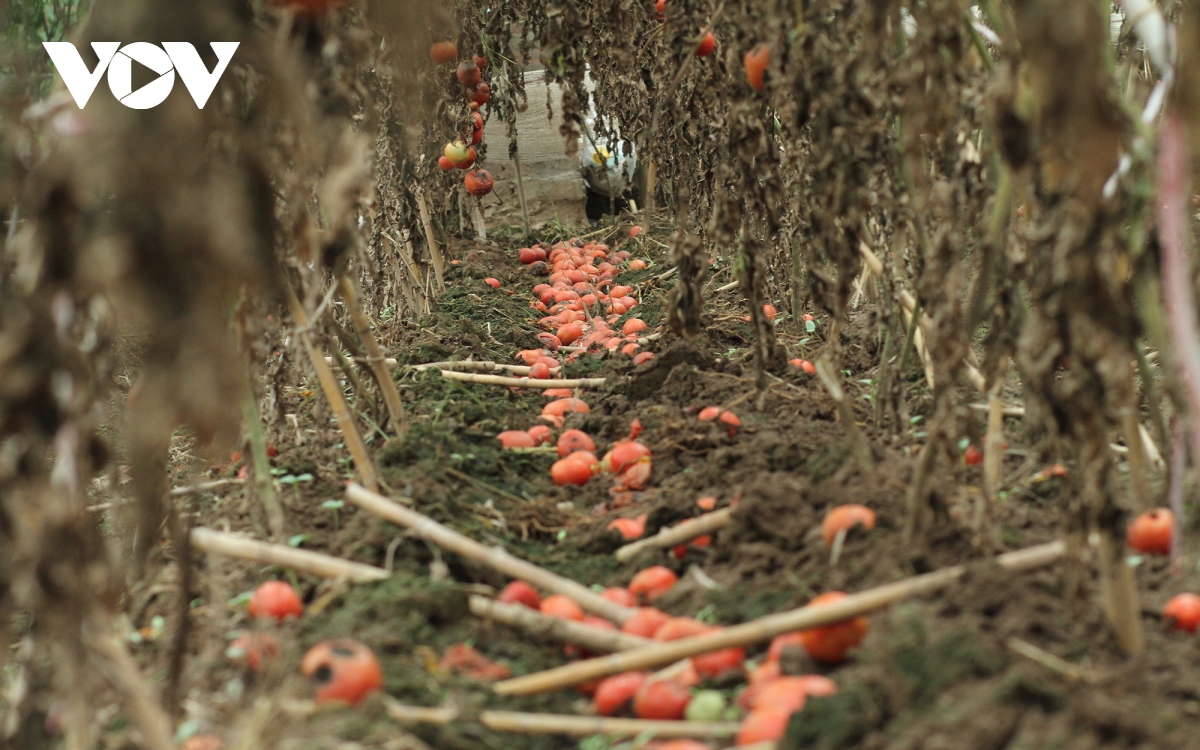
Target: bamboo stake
{"x": 470, "y": 377}
{"x": 581, "y": 726}
{"x": 765, "y": 628}
{"x": 418, "y": 714}
{"x": 463, "y": 365}
{"x": 684, "y": 532}
{"x": 324, "y": 566}
{"x": 543, "y": 626}
{"x": 337, "y": 400}
{"x": 383, "y": 378}
{"x": 435, "y": 252}
{"x": 494, "y": 557}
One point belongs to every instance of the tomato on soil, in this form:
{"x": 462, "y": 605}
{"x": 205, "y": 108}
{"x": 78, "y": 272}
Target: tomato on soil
{"x": 1151, "y": 532}
{"x": 652, "y": 582}
{"x": 275, "y": 600}
{"x": 344, "y": 670}
{"x": 520, "y": 592}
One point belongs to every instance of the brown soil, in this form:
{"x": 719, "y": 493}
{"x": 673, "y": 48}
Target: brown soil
{"x": 933, "y": 674}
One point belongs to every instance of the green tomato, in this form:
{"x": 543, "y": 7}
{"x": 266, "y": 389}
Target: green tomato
{"x": 706, "y": 705}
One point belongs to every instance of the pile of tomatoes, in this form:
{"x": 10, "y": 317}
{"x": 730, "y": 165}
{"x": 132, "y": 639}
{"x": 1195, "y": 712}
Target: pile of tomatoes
{"x": 767, "y": 702}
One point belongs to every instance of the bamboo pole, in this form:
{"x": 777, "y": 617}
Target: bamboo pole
{"x": 543, "y": 626}
{"x": 464, "y": 365}
{"x": 765, "y": 628}
{"x": 494, "y": 557}
{"x": 375, "y": 358}
{"x": 337, "y": 400}
{"x": 435, "y": 252}
{"x": 683, "y": 532}
{"x": 581, "y": 726}
{"x": 470, "y": 377}
{"x": 324, "y": 566}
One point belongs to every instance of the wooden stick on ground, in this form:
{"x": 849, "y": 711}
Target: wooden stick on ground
{"x": 471, "y": 377}
{"x": 765, "y": 628}
{"x": 435, "y": 252}
{"x": 577, "y": 726}
{"x": 375, "y": 358}
{"x": 543, "y": 626}
{"x": 581, "y": 726}
{"x": 494, "y": 557}
{"x": 325, "y": 566}
{"x": 333, "y": 393}
{"x": 684, "y": 532}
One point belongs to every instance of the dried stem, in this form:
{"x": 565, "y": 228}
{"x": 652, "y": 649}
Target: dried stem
{"x": 536, "y": 624}
{"x": 375, "y": 358}
{"x": 325, "y": 566}
{"x": 680, "y": 534}
{"x": 333, "y": 393}
{"x": 435, "y": 252}
{"x": 469, "y": 377}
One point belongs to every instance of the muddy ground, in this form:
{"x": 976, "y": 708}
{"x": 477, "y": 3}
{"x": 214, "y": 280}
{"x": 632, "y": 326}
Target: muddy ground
{"x": 933, "y": 674}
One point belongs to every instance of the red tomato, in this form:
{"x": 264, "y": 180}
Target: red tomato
{"x": 652, "y": 582}
{"x": 561, "y": 406}
{"x": 478, "y": 182}
{"x": 445, "y": 164}
{"x": 515, "y": 439}
{"x": 770, "y": 311}
{"x": 255, "y": 649}
{"x": 526, "y": 255}
{"x": 634, "y": 232}
{"x": 540, "y": 371}
{"x": 541, "y": 434}
{"x": 443, "y": 52}
{"x": 618, "y": 595}
{"x": 467, "y": 73}
{"x": 665, "y": 700}
{"x": 569, "y": 333}
{"x": 1183, "y": 611}
{"x": 623, "y": 455}
{"x": 576, "y": 468}
{"x": 803, "y": 364}
{"x": 1150, "y": 533}
{"x": 645, "y": 622}
{"x": 574, "y": 440}
{"x": 630, "y": 528}
{"x": 706, "y": 45}
{"x": 344, "y": 670}
{"x": 613, "y": 693}
{"x": 480, "y": 94}
{"x": 756, "y": 64}
{"x": 632, "y": 326}
{"x": 707, "y": 503}
{"x": 829, "y": 643}
{"x": 660, "y": 9}
{"x": 635, "y": 429}
{"x": 644, "y": 357}
{"x": 637, "y": 265}
{"x": 520, "y": 592}
{"x": 637, "y": 476}
{"x": 731, "y": 420}
{"x": 709, "y": 413}
{"x": 275, "y": 600}
{"x": 562, "y": 607}
{"x": 784, "y": 693}
{"x": 765, "y": 725}
{"x": 972, "y": 456}
{"x": 844, "y": 518}
{"x": 480, "y": 61}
